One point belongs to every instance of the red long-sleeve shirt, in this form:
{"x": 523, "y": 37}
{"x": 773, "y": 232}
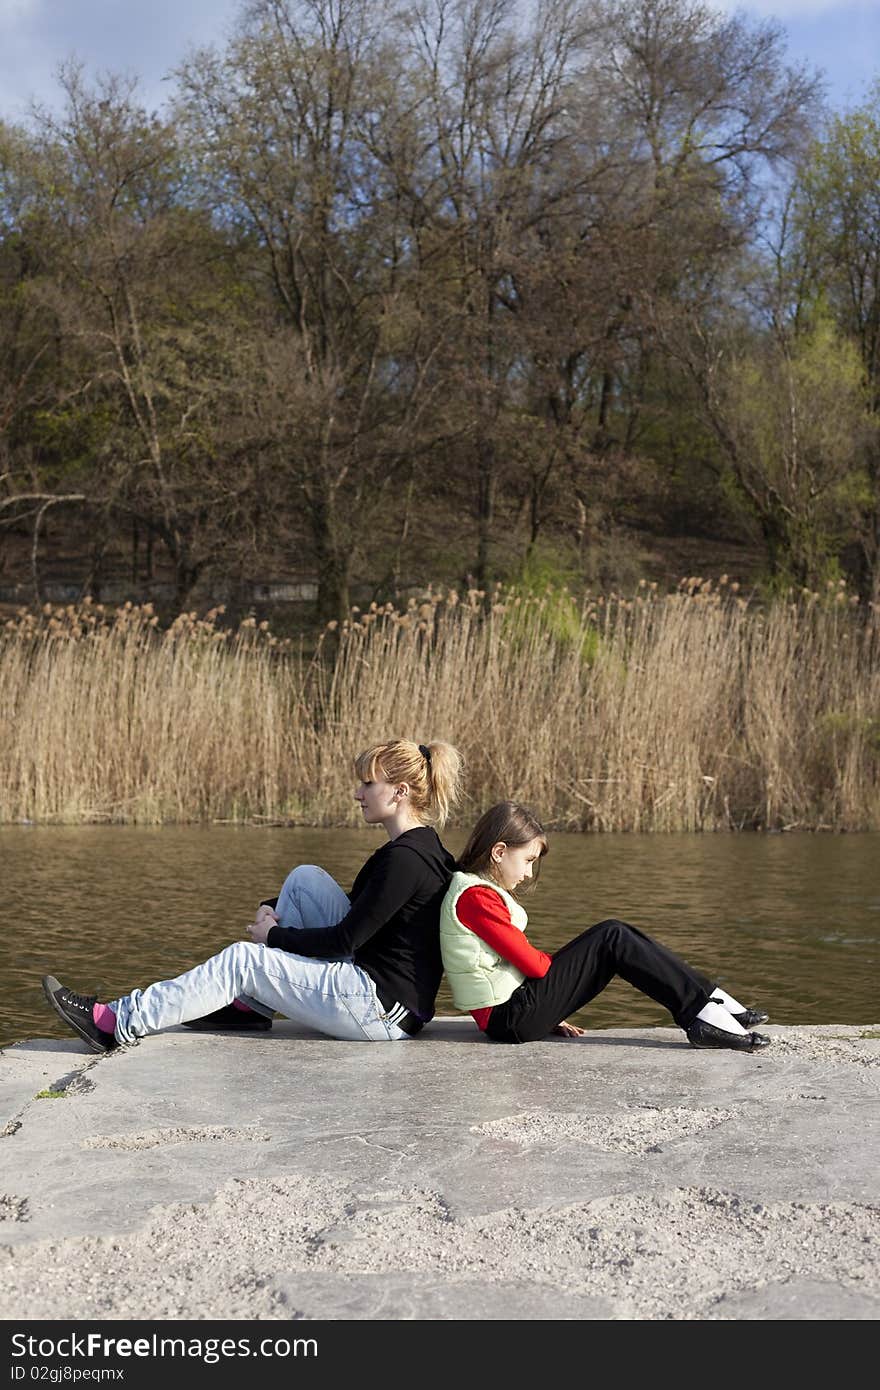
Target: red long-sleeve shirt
{"x": 484, "y": 912}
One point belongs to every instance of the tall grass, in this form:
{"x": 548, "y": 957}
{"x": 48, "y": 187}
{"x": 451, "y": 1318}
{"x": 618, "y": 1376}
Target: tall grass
{"x": 685, "y": 711}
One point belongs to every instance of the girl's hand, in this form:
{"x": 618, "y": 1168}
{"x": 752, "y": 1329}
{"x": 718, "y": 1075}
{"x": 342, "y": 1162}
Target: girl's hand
{"x": 264, "y": 912}
{"x": 569, "y": 1030}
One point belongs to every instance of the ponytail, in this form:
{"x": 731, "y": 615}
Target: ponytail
{"x": 432, "y": 771}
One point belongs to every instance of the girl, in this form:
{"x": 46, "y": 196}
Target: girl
{"x": 364, "y": 968}
{"x": 518, "y": 994}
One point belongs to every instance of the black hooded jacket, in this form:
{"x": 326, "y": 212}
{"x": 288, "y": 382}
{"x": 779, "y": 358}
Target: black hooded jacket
{"x": 392, "y": 929}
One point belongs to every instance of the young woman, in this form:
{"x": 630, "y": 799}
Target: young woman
{"x": 361, "y": 968}
{"x": 519, "y": 994}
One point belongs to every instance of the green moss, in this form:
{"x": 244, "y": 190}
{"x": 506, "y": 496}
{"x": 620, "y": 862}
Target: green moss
{"x": 50, "y": 1094}
{"x": 844, "y": 724}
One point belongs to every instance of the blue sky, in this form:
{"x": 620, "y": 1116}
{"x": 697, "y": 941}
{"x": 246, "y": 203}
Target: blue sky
{"x": 147, "y": 37}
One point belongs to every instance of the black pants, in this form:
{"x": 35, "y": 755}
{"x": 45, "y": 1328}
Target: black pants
{"x": 582, "y": 969}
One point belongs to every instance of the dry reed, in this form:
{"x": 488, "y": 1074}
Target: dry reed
{"x": 687, "y": 711}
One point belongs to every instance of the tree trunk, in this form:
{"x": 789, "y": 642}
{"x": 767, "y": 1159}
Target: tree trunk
{"x": 776, "y": 542}
{"x": 334, "y": 563}
{"x": 185, "y": 576}
{"x": 485, "y": 509}
{"x": 186, "y": 572}
{"x": 602, "y": 439}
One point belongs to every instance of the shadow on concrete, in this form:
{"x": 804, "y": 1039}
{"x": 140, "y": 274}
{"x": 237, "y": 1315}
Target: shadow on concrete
{"x": 445, "y": 1031}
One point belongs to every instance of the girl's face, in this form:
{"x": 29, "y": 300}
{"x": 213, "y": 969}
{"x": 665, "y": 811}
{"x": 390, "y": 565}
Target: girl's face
{"x": 513, "y": 863}
{"x": 378, "y": 801}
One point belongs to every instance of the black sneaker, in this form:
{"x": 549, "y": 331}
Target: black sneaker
{"x": 76, "y": 1010}
{"x": 703, "y": 1034}
{"x": 229, "y": 1019}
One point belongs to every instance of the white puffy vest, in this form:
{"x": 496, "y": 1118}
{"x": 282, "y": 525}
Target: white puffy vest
{"x": 478, "y": 977}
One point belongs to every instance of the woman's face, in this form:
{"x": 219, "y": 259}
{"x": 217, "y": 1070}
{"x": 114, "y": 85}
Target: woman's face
{"x": 513, "y": 863}
{"x": 378, "y": 801}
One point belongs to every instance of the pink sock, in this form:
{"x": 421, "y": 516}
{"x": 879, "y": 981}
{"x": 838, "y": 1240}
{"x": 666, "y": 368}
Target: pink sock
{"x": 104, "y": 1018}
{"x": 245, "y": 1008}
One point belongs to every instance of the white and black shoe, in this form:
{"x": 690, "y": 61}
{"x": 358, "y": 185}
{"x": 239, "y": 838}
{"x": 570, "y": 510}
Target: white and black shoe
{"x": 76, "y": 1011}
{"x": 746, "y": 1018}
{"x": 750, "y": 1018}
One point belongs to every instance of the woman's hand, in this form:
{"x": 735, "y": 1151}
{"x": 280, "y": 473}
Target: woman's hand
{"x": 259, "y": 931}
{"x": 569, "y": 1030}
{"x": 264, "y": 920}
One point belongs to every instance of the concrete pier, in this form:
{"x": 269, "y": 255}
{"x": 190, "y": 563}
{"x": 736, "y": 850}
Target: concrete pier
{"x": 282, "y": 1175}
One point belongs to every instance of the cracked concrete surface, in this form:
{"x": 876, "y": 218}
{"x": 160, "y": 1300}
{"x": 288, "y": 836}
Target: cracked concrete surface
{"x": 623, "y": 1175}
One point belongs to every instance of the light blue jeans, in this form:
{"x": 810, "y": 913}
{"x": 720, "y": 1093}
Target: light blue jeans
{"x": 334, "y": 997}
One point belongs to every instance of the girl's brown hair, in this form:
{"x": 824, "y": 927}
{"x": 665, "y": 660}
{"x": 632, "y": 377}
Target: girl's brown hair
{"x": 508, "y": 823}
{"x": 431, "y": 770}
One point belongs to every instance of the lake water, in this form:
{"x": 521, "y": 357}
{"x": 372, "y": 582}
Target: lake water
{"x": 788, "y": 921}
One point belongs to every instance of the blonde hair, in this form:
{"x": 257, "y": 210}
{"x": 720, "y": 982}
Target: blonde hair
{"x": 431, "y": 770}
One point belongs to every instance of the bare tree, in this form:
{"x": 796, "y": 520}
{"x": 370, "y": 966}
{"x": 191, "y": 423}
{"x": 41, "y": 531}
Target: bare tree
{"x": 131, "y": 282}
{"x": 279, "y": 121}
{"x": 488, "y": 93}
